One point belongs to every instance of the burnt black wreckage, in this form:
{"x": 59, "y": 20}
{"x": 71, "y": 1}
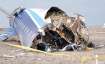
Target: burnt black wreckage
{"x": 53, "y": 41}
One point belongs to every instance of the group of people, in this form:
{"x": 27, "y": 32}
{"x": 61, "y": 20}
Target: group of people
{"x": 51, "y": 30}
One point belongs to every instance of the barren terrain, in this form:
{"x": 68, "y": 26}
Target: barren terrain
{"x": 14, "y": 55}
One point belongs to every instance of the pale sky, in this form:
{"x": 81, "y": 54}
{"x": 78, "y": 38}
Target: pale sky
{"x": 93, "y": 10}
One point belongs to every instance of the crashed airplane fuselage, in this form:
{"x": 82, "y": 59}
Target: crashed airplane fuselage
{"x": 51, "y": 30}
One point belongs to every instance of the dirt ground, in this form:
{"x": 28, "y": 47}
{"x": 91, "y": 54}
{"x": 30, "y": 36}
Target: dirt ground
{"x": 14, "y": 55}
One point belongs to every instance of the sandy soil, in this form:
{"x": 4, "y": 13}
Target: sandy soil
{"x": 14, "y": 55}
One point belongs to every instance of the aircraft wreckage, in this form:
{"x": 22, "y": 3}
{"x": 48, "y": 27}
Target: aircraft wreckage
{"x": 50, "y": 30}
